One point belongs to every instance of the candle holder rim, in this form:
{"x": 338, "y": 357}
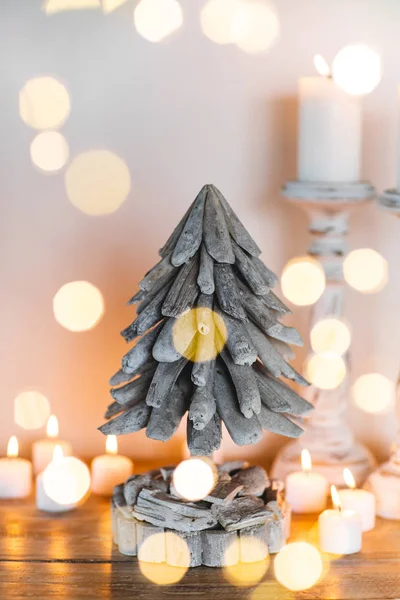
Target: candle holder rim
{"x": 331, "y": 194}
{"x": 390, "y": 200}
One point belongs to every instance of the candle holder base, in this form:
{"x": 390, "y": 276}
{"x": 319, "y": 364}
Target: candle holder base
{"x": 390, "y": 200}
{"x": 358, "y": 459}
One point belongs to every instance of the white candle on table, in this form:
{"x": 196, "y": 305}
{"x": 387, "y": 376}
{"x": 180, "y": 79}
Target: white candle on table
{"x": 43, "y": 501}
{"x": 329, "y": 146}
{"x": 42, "y": 450}
{"x": 339, "y": 530}
{"x": 361, "y": 501}
{"x": 108, "y": 470}
{"x": 306, "y": 491}
{"x": 15, "y": 473}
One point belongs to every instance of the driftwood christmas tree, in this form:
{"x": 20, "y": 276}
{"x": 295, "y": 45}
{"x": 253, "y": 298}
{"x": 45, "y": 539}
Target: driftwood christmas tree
{"x": 210, "y": 340}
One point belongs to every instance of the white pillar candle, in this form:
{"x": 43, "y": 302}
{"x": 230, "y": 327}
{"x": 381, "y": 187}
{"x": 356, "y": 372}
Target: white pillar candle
{"x": 15, "y": 473}
{"x": 42, "y": 450}
{"x": 329, "y": 146}
{"x": 108, "y": 470}
{"x": 398, "y": 147}
{"x": 339, "y": 530}
{"x": 306, "y": 491}
{"x": 361, "y": 501}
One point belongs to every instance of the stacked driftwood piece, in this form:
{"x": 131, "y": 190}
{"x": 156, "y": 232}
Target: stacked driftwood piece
{"x": 243, "y": 519}
{"x": 210, "y": 263}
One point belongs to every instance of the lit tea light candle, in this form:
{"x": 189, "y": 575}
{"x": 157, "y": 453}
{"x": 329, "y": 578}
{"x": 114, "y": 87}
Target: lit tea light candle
{"x": 43, "y": 501}
{"x": 361, "y": 501}
{"x": 306, "y": 491}
{"x": 42, "y": 450}
{"x": 339, "y": 530}
{"x": 110, "y": 469}
{"x": 15, "y": 473}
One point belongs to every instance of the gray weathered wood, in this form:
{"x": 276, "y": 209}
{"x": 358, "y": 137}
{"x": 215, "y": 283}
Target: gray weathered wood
{"x": 133, "y": 485}
{"x": 220, "y": 548}
{"x": 224, "y": 492}
{"x": 278, "y": 423}
{"x": 237, "y": 340}
{"x": 246, "y": 387}
{"x": 149, "y": 317}
{"x": 272, "y": 301}
{"x": 253, "y": 479}
{"x": 269, "y": 276}
{"x": 286, "y": 334}
{"x": 164, "y": 421}
{"x": 249, "y": 272}
{"x": 256, "y": 309}
{"x": 134, "y": 419}
{"x": 275, "y": 528}
{"x": 173, "y": 238}
{"x": 205, "y": 278}
{"x": 241, "y": 512}
{"x": 203, "y": 442}
{"x": 159, "y": 271}
{"x": 164, "y": 510}
{"x": 269, "y": 395}
{"x": 163, "y": 381}
{"x": 243, "y": 431}
{"x": 134, "y": 390}
{"x": 163, "y": 283}
{"x": 232, "y": 466}
{"x": 284, "y": 349}
{"x": 113, "y": 409}
{"x": 120, "y": 377}
{"x": 175, "y": 338}
{"x": 202, "y": 406}
{"x": 190, "y": 238}
{"x": 140, "y": 354}
{"x": 206, "y": 349}
{"x": 216, "y": 233}
{"x": 138, "y": 297}
{"x": 183, "y": 549}
{"x": 237, "y": 230}
{"x": 298, "y": 405}
{"x": 126, "y": 535}
{"x": 166, "y": 472}
{"x": 227, "y": 291}
{"x": 183, "y": 291}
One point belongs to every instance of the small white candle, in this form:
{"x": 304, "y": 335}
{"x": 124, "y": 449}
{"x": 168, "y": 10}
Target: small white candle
{"x": 339, "y": 530}
{"x": 329, "y": 147}
{"x": 108, "y": 470}
{"x": 306, "y": 491}
{"x": 15, "y": 473}
{"x": 361, "y": 501}
{"x": 42, "y": 450}
{"x": 43, "y": 501}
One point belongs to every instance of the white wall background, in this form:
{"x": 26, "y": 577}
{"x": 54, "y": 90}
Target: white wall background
{"x": 181, "y": 114}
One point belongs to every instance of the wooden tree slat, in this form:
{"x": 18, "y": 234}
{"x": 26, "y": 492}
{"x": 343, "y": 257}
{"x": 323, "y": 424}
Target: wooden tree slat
{"x": 249, "y": 272}
{"x": 237, "y": 340}
{"x": 202, "y": 405}
{"x": 162, "y": 269}
{"x": 246, "y": 387}
{"x": 227, "y": 291}
{"x": 164, "y": 283}
{"x": 175, "y": 338}
{"x": 203, "y": 442}
{"x": 298, "y": 405}
{"x": 173, "y": 238}
{"x": 205, "y": 278}
{"x": 183, "y": 291}
{"x": 269, "y": 276}
{"x": 278, "y": 423}
{"x": 163, "y": 381}
{"x": 133, "y": 419}
{"x": 216, "y": 233}
{"x": 137, "y": 356}
{"x": 133, "y": 390}
{"x": 190, "y": 238}
{"x": 164, "y": 421}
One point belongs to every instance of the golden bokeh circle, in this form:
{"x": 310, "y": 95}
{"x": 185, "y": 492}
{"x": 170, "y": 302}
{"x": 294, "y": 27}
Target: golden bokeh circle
{"x": 257, "y": 27}
{"x": 44, "y": 103}
{"x": 78, "y": 306}
{"x": 31, "y": 410}
{"x": 253, "y": 561}
{"x": 199, "y": 334}
{"x": 156, "y": 546}
{"x": 298, "y": 566}
{"x": 325, "y": 370}
{"x": 66, "y": 480}
{"x": 366, "y": 270}
{"x": 330, "y": 335}
{"x": 49, "y": 151}
{"x": 195, "y": 478}
{"x": 374, "y": 393}
{"x": 156, "y": 19}
{"x": 97, "y": 182}
{"x": 303, "y": 281}
{"x": 357, "y": 69}
{"x": 220, "y": 20}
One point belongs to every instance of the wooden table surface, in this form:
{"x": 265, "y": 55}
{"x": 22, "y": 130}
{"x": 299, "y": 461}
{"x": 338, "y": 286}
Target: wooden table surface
{"x": 71, "y": 557}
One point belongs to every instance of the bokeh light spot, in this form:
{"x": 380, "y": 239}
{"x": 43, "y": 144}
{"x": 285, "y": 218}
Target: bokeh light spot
{"x": 97, "y": 182}
{"x": 49, "y": 151}
{"x": 31, "y": 410}
{"x": 303, "y": 281}
{"x": 194, "y": 478}
{"x": 298, "y": 566}
{"x": 78, "y": 306}
{"x": 253, "y": 561}
{"x": 44, "y": 103}
{"x": 220, "y": 20}
{"x": 366, "y": 270}
{"x": 357, "y": 69}
{"x": 55, "y": 6}
{"x": 163, "y": 545}
{"x": 156, "y": 19}
{"x": 256, "y": 27}
{"x": 374, "y": 393}
{"x": 199, "y": 334}
{"x": 326, "y": 370}
{"x": 111, "y": 5}
{"x": 66, "y": 480}
{"x": 330, "y": 335}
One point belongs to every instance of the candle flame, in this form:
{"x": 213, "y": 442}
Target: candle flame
{"x": 322, "y": 66}
{"x": 12, "y": 447}
{"x": 306, "y": 460}
{"x": 349, "y": 479}
{"x": 58, "y": 453}
{"x": 335, "y": 498}
{"x": 52, "y": 427}
{"x": 111, "y": 444}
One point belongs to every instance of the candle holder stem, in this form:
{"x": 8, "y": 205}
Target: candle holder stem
{"x": 327, "y": 435}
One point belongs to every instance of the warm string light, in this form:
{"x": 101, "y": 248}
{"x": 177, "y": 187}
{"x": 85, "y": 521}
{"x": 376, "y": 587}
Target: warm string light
{"x": 112, "y": 444}
{"x": 349, "y": 479}
{"x": 12, "y": 447}
{"x": 366, "y": 270}
{"x": 303, "y": 281}
{"x": 52, "y": 427}
{"x": 78, "y": 306}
